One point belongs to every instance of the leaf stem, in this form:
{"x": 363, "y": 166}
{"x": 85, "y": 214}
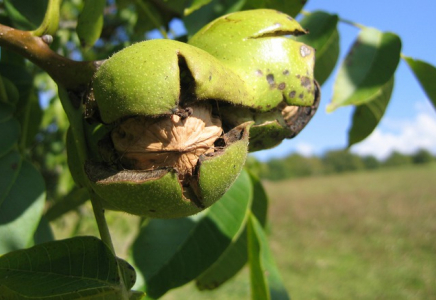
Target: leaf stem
{"x": 352, "y": 23}
{"x": 106, "y": 238}
{"x": 51, "y": 19}
{"x": 101, "y": 222}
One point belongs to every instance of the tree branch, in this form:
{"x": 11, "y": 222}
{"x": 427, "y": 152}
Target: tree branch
{"x": 72, "y": 75}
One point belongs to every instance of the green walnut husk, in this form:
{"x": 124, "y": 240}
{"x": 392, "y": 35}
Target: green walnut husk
{"x": 180, "y": 118}
{"x": 168, "y": 153}
{"x": 258, "y": 46}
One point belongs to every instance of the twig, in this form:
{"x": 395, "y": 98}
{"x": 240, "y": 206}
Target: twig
{"x": 70, "y": 74}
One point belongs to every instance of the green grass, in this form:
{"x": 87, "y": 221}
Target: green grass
{"x": 366, "y": 235}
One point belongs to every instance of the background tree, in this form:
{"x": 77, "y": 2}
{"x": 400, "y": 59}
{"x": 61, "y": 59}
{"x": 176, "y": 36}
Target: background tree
{"x": 51, "y": 36}
{"x": 342, "y": 161}
{"x": 422, "y": 156}
{"x": 397, "y": 159}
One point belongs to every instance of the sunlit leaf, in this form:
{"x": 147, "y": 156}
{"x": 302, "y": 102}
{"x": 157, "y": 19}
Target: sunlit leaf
{"x": 22, "y": 206}
{"x": 266, "y": 282}
{"x": 196, "y": 4}
{"x": 236, "y": 255}
{"x": 426, "y": 75}
{"x": 324, "y": 37}
{"x": 367, "y": 116}
{"x": 76, "y": 268}
{"x": 90, "y": 22}
{"x": 170, "y": 253}
{"x": 369, "y": 65}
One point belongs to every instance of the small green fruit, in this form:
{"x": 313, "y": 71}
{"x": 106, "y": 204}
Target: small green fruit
{"x": 179, "y": 117}
{"x": 169, "y": 153}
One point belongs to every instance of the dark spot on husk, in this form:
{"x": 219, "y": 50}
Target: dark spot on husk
{"x": 301, "y": 96}
{"x": 292, "y": 94}
{"x": 282, "y": 86}
{"x": 306, "y": 82}
{"x": 286, "y": 72}
{"x": 152, "y": 210}
{"x": 270, "y": 79}
{"x": 259, "y": 73}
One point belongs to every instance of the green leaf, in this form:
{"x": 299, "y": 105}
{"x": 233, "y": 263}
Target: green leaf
{"x": 23, "y": 203}
{"x": 266, "y": 282}
{"x": 367, "y": 116}
{"x": 19, "y": 76}
{"x": 6, "y": 112}
{"x": 290, "y": 7}
{"x": 196, "y": 4}
{"x": 10, "y": 135}
{"x": 368, "y": 66}
{"x": 426, "y": 75}
{"x": 10, "y": 165}
{"x": 10, "y": 95}
{"x": 25, "y": 14}
{"x": 76, "y": 268}
{"x": 235, "y": 256}
{"x": 170, "y": 253}
{"x": 90, "y": 22}
{"x": 30, "y": 119}
{"x": 324, "y": 37}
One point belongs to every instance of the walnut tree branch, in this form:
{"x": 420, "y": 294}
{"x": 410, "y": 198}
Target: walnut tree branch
{"x": 72, "y": 75}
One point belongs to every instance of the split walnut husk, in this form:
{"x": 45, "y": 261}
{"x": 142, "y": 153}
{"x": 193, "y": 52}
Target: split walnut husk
{"x": 170, "y": 166}
{"x": 180, "y": 116}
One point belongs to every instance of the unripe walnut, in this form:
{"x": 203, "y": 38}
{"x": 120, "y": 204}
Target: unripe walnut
{"x": 179, "y": 117}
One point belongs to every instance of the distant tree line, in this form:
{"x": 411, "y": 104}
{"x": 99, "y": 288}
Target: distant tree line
{"x": 335, "y": 161}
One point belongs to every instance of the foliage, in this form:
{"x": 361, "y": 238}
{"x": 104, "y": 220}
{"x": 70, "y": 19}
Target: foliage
{"x": 51, "y": 37}
{"x": 422, "y": 156}
{"x": 331, "y": 162}
{"x": 397, "y": 159}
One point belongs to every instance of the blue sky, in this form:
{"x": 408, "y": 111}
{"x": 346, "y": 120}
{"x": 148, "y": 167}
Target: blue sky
{"x": 410, "y": 121}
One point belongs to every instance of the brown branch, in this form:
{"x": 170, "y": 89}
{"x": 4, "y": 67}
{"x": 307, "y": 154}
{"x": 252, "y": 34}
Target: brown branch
{"x": 73, "y": 75}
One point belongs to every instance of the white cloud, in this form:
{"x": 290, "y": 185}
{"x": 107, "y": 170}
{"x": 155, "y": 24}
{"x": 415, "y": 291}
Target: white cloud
{"x": 305, "y": 149}
{"x": 405, "y": 136}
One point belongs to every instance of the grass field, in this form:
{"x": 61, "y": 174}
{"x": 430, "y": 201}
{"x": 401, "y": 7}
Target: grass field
{"x": 366, "y": 235}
